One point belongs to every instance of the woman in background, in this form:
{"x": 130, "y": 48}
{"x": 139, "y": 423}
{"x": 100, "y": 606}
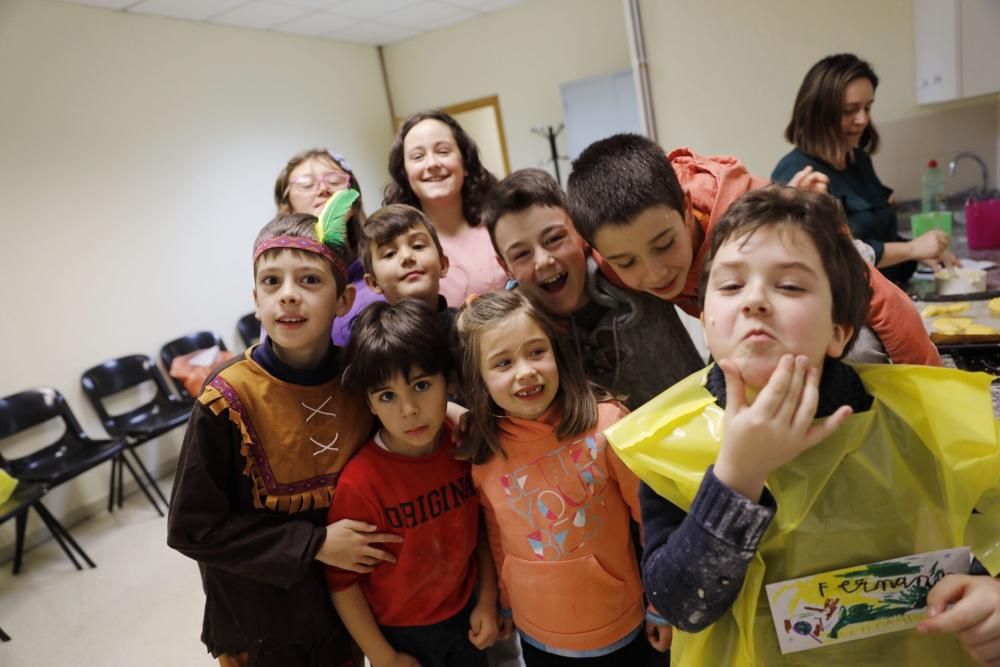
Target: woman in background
{"x": 832, "y": 131}
{"x": 435, "y": 167}
{"x": 304, "y": 185}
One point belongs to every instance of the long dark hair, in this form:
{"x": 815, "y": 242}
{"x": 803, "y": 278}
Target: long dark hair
{"x": 819, "y": 106}
{"x": 577, "y": 397}
{"x": 478, "y": 180}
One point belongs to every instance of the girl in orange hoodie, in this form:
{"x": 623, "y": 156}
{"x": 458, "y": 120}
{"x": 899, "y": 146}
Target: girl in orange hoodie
{"x": 556, "y": 499}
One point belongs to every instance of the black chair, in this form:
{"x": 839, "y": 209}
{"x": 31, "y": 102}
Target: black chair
{"x": 71, "y": 455}
{"x": 200, "y": 340}
{"x": 164, "y": 412}
{"x": 28, "y": 495}
{"x": 248, "y": 327}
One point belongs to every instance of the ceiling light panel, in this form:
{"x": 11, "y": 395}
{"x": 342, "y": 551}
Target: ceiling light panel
{"x": 261, "y": 15}
{"x": 191, "y": 10}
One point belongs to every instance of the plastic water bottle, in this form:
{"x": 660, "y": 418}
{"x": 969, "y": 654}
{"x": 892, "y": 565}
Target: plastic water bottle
{"x": 932, "y": 187}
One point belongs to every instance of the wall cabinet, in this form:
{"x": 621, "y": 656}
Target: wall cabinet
{"x": 957, "y": 48}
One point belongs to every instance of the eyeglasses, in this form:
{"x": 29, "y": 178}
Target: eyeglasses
{"x": 309, "y": 184}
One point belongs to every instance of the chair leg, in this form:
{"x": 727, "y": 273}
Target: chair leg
{"x": 121, "y": 478}
{"x": 47, "y": 520}
{"x": 60, "y": 533}
{"x": 4, "y": 637}
{"x": 149, "y": 477}
{"x": 111, "y": 489}
{"x": 142, "y": 487}
{"x": 20, "y": 522}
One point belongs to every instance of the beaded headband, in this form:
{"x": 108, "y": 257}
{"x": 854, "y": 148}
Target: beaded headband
{"x": 301, "y": 243}
{"x": 330, "y": 230}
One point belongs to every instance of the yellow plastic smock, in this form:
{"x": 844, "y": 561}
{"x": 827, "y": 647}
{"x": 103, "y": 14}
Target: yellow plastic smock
{"x": 900, "y": 478}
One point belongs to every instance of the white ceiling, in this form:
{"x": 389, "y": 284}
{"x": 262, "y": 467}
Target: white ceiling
{"x": 365, "y": 21}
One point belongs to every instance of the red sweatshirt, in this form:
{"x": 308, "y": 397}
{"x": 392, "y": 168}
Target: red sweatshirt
{"x": 432, "y": 503}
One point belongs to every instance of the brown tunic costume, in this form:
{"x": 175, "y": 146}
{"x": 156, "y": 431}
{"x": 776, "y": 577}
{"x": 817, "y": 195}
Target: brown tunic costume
{"x": 256, "y": 474}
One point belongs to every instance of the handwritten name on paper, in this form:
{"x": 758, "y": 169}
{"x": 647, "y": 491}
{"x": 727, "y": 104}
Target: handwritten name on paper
{"x": 857, "y": 602}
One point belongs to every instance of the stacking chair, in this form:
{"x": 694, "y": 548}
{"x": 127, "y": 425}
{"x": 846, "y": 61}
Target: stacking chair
{"x": 164, "y": 412}
{"x": 28, "y": 495}
{"x": 72, "y": 454}
{"x": 248, "y": 327}
{"x": 191, "y": 342}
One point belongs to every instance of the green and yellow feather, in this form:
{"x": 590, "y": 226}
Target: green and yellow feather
{"x": 331, "y": 228}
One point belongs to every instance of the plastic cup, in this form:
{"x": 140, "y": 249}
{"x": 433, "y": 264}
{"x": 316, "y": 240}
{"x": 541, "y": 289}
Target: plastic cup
{"x": 921, "y": 223}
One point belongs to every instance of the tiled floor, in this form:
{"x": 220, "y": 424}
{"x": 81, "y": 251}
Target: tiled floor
{"x": 142, "y": 605}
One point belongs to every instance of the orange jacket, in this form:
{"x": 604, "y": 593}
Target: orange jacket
{"x": 713, "y": 183}
{"x": 557, "y": 516}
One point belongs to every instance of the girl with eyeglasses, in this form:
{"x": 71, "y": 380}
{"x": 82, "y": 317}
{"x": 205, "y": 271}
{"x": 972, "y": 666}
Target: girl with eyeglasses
{"x": 304, "y": 185}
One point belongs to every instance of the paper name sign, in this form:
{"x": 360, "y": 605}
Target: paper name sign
{"x": 857, "y": 602}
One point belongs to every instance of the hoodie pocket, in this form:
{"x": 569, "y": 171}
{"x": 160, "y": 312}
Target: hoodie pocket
{"x": 565, "y": 597}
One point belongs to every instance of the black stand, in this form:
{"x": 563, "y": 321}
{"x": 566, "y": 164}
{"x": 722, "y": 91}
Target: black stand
{"x": 550, "y": 133}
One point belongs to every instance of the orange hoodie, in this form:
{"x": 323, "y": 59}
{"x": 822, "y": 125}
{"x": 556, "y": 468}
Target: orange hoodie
{"x": 557, "y": 516}
{"x": 713, "y": 183}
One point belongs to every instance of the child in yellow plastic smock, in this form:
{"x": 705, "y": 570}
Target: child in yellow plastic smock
{"x": 780, "y": 461}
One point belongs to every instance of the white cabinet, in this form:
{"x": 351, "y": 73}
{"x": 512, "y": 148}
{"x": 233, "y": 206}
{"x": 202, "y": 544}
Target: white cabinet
{"x": 980, "y": 47}
{"x": 957, "y": 48}
{"x": 936, "y": 39}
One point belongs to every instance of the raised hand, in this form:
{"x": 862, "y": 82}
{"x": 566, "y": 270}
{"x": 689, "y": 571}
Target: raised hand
{"x": 762, "y": 436}
{"x": 809, "y": 180}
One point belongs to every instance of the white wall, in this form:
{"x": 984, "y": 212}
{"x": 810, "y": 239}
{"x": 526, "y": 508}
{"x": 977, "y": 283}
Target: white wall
{"x": 520, "y": 54}
{"x": 139, "y": 155}
{"x": 725, "y": 72}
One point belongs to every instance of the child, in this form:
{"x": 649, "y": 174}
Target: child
{"x": 304, "y": 185}
{"x": 556, "y": 500}
{"x": 650, "y": 216}
{"x": 901, "y": 460}
{"x": 267, "y": 439}
{"x": 633, "y": 343}
{"x": 403, "y": 259}
{"x": 422, "y": 609}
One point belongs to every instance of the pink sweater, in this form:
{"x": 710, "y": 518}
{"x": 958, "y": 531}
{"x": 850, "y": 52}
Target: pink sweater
{"x": 474, "y": 268}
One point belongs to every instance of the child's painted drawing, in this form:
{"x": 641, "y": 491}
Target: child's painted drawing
{"x": 857, "y": 602}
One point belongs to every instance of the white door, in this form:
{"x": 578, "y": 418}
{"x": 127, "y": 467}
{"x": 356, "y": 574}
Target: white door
{"x": 597, "y": 107}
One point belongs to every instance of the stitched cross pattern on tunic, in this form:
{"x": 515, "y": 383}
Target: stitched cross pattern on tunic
{"x": 322, "y": 448}
{"x": 319, "y": 410}
{"x": 325, "y": 448}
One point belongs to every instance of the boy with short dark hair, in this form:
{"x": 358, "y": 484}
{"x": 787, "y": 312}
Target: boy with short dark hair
{"x": 630, "y": 342}
{"x": 423, "y": 608}
{"x": 265, "y": 445}
{"x": 742, "y": 485}
{"x": 403, "y": 258}
{"x": 650, "y": 215}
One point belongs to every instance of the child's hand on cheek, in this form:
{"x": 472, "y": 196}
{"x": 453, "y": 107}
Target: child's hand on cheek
{"x": 761, "y": 437}
{"x": 974, "y": 616}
